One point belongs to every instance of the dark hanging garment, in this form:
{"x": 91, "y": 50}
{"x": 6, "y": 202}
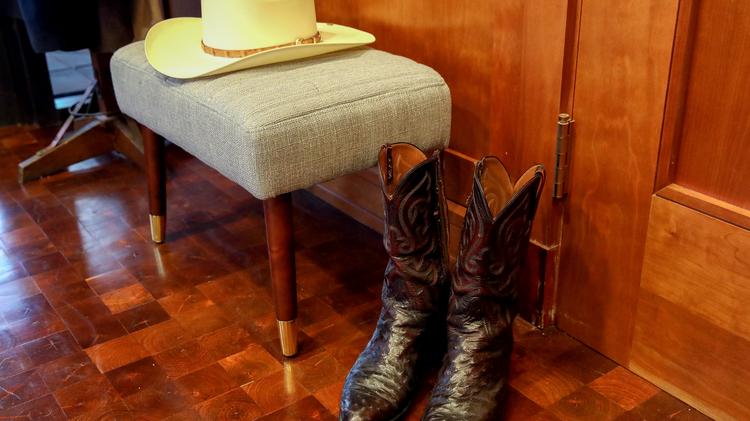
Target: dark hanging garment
{"x": 60, "y": 25}
{"x": 25, "y": 91}
{"x": 115, "y": 24}
{"x": 100, "y": 25}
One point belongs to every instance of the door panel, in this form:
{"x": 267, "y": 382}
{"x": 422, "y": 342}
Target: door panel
{"x": 692, "y": 331}
{"x": 620, "y": 87}
{"x": 713, "y": 152}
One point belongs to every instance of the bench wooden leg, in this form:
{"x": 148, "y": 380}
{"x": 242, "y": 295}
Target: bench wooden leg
{"x": 153, "y": 150}
{"x": 280, "y": 239}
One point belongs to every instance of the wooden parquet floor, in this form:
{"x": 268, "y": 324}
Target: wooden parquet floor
{"x": 99, "y": 323}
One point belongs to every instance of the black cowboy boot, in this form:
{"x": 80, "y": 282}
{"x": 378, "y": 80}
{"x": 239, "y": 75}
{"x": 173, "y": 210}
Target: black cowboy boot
{"x": 473, "y": 381}
{"x": 380, "y": 384}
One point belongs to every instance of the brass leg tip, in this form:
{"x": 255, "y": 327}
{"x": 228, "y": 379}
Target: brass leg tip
{"x": 288, "y": 336}
{"x": 158, "y": 228}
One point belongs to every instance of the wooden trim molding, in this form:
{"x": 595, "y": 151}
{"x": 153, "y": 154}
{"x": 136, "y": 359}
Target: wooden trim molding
{"x": 570, "y": 57}
{"x": 707, "y": 204}
{"x": 357, "y": 195}
{"x": 676, "y": 93}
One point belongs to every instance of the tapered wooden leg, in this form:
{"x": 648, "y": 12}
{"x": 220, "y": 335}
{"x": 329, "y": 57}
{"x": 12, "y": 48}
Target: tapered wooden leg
{"x": 153, "y": 149}
{"x": 280, "y": 238}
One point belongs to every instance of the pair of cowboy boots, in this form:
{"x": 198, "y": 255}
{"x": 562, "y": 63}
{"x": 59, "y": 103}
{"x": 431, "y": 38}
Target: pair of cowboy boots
{"x": 420, "y": 294}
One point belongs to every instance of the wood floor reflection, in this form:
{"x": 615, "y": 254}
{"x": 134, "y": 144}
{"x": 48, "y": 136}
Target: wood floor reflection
{"x": 99, "y": 323}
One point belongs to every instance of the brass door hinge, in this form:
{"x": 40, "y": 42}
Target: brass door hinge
{"x": 562, "y": 155}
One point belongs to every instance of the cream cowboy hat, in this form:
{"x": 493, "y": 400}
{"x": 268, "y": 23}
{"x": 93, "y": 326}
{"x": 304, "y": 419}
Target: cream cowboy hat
{"x": 239, "y": 34}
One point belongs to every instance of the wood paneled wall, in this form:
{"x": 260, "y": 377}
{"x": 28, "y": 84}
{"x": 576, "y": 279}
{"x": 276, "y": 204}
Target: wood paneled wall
{"x": 503, "y": 62}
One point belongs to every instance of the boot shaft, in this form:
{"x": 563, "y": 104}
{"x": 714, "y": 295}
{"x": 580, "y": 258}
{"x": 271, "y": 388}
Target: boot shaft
{"x": 414, "y": 233}
{"x": 496, "y": 230}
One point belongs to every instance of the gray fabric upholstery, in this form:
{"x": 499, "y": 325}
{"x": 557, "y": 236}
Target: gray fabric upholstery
{"x": 279, "y": 128}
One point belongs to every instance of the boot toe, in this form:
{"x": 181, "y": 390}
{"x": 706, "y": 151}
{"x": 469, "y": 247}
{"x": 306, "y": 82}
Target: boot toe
{"x": 364, "y": 406}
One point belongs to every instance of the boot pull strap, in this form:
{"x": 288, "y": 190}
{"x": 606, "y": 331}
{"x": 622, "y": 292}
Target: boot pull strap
{"x": 388, "y": 164}
{"x": 540, "y": 171}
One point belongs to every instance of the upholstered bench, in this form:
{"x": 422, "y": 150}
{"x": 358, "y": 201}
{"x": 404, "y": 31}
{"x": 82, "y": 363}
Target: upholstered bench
{"x": 279, "y": 128}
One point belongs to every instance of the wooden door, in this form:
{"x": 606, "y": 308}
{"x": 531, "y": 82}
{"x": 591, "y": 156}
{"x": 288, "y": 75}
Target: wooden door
{"x": 622, "y": 71}
{"x": 655, "y": 259}
{"x": 692, "y": 324}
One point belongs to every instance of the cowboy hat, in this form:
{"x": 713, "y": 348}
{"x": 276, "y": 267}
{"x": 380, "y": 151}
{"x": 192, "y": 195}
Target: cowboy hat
{"x": 239, "y": 34}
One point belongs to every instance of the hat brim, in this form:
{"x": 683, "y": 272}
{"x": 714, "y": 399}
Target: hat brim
{"x": 173, "y": 47}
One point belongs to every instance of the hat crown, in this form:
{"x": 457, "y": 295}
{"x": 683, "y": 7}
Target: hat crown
{"x": 253, "y": 24}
